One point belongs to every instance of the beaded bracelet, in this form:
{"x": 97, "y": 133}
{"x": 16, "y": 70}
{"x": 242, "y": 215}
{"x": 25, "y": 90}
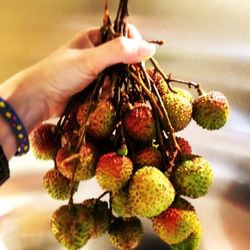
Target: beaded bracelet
{"x": 4, "y": 167}
{"x": 17, "y": 126}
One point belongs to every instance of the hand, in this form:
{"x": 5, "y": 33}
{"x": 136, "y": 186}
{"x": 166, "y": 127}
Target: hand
{"x": 42, "y": 91}
{"x": 76, "y": 64}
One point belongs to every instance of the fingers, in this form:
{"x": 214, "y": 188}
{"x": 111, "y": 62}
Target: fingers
{"x": 92, "y": 37}
{"x": 133, "y": 32}
{"x": 119, "y": 50}
{"x": 85, "y": 39}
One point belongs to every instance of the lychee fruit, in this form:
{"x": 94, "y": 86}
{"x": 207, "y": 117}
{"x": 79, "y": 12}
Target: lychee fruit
{"x": 57, "y": 185}
{"x": 102, "y": 120}
{"x": 85, "y": 164}
{"x": 183, "y": 144}
{"x": 100, "y": 212}
{"x": 149, "y": 156}
{"x": 192, "y": 242}
{"x": 126, "y": 234}
{"x": 72, "y": 225}
{"x": 113, "y": 171}
{"x": 120, "y": 203}
{"x": 44, "y": 142}
{"x": 179, "y": 107}
{"x": 150, "y": 192}
{"x": 139, "y": 122}
{"x": 176, "y": 223}
{"x": 193, "y": 177}
{"x": 211, "y": 110}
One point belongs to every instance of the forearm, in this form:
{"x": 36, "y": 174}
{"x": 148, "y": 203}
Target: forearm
{"x": 22, "y": 93}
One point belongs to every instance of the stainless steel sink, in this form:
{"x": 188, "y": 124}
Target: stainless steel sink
{"x": 207, "y": 41}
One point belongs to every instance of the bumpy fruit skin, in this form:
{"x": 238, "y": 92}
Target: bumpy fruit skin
{"x": 211, "y": 110}
{"x": 113, "y": 171}
{"x": 176, "y": 223}
{"x": 192, "y": 242}
{"x": 150, "y": 192}
{"x": 183, "y": 144}
{"x": 126, "y": 234}
{"x": 57, "y": 186}
{"x": 193, "y": 177}
{"x": 72, "y": 225}
{"x": 100, "y": 212}
{"x": 149, "y": 156}
{"x": 139, "y": 122}
{"x": 120, "y": 203}
{"x": 85, "y": 164}
{"x": 179, "y": 107}
{"x": 102, "y": 120}
{"x": 43, "y": 142}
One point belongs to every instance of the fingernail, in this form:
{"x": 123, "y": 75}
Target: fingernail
{"x": 146, "y": 50}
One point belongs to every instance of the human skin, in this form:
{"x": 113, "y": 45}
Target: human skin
{"x": 42, "y": 90}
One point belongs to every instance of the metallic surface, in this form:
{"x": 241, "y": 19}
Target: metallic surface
{"x": 206, "y": 41}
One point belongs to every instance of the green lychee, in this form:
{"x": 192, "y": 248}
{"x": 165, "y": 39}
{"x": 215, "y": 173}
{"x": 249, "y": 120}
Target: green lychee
{"x": 126, "y": 234}
{"x": 72, "y": 225}
{"x": 179, "y": 107}
{"x": 150, "y": 192}
{"x": 211, "y": 110}
{"x": 57, "y": 185}
{"x": 102, "y": 120}
{"x": 176, "y": 223}
{"x": 193, "y": 177}
{"x": 192, "y": 242}
{"x": 113, "y": 171}
{"x": 44, "y": 142}
{"x": 120, "y": 203}
{"x": 85, "y": 164}
{"x": 139, "y": 122}
{"x": 149, "y": 156}
{"x": 100, "y": 212}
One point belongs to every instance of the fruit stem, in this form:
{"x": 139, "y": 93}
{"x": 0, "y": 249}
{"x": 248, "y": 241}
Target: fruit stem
{"x": 120, "y": 24}
{"x": 146, "y": 76}
{"x": 149, "y": 94}
{"x": 102, "y": 195}
{"x": 158, "y": 69}
{"x": 160, "y": 139}
{"x": 92, "y": 105}
{"x": 190, "y": 84}
{"x": 170, "y": 130}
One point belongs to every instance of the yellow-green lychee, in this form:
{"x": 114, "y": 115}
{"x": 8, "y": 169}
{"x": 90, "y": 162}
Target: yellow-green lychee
{"x": 150, "y": 192}
{"x": 126, "y": 234}
{"x": 84, "y": 162}
{"x": 211, "y": 110}
{"x": 193, "y": 177}
{"x": 113, "y": 171}
{"x": 176, "y": 223}
{"x": 120, "y": 203}
{"x": 192, "y": 242}
{"x": 179, "y": 107}
{"x": 72, "y": 225}
{"x": 57, "y": 185}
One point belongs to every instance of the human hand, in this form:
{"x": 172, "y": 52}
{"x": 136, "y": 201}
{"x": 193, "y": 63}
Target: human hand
{"x": 42, "y": 90}
{"x": 77, "y": 63}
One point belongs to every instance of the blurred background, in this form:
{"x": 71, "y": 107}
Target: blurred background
{"x": 206, "y": 41}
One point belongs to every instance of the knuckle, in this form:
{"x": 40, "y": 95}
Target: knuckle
{"x": 120, "y": 42}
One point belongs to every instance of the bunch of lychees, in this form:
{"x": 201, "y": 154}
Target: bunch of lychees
{"x": 126, "y": 139}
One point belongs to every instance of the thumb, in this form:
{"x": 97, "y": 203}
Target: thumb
{"x": 119, "y": 50}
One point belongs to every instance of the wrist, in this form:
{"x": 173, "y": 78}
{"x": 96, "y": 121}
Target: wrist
{"x": 23, "y": 94}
